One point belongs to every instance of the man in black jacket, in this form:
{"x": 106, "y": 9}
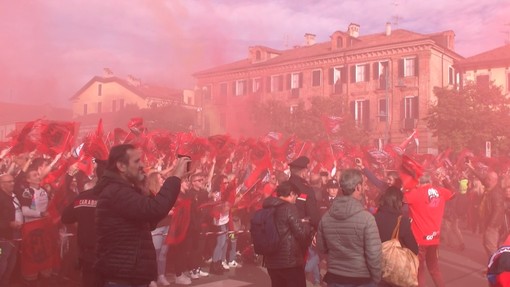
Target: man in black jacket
{"x": 11, "y": 220}
{"x": 125, "y": 254}
{"x": 286, "y": 266}
{"x": 82, "y": 211}
{"x": 306, "y": 202}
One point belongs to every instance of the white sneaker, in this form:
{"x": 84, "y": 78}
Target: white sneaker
{"x": 153, "y": 284}
{"x": 162, "y": 280}
{"x": 233, "y": 264}
{"x": 202, "y": 273}
{"x": 182, "y": 280}
{"x": 208, "y": 261}
{"x": 193, "y": 274}
{"x": 225, "y": 265}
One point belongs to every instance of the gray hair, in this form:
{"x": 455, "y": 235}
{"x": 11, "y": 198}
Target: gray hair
{"x": 349, "y": 179}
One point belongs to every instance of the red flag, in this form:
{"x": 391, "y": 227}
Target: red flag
{"x": 24, "y": 141}
{"x": 39, "y": 247}
{"x": 180, "y": 222}
{"x": 331, "y": 124}
{"x": 410, "y": 172}
{"x": 94, "y": 146}
{"x": 57, "y": 137}
{"x": 136, "y": 125}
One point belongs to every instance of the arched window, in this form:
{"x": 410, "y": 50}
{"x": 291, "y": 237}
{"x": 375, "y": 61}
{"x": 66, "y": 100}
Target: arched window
{"x": 258, "y": 55}
{"x": 339, "y": 42}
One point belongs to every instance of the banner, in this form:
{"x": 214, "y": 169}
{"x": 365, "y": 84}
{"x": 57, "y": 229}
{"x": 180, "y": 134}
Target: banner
{"x": 39, "y": 247}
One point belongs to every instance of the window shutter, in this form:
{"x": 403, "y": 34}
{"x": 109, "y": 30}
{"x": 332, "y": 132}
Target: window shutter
{"x": 331, "y": 76}
{"x": 343, "y": 75}
{"x": 268, "y": 84}
{"x": 416, "y": 66}
{"x": 234, "y": 88}
{"x": 403, "y": 108}
{"x": 376, "y": 70}
{"x": 353, "y": 109}
{"x": 353, "y": 74}
{"x": 280, "y": 83}
{"x": 366, "y": 114}
{"x": 401, "y": 71}
{"x": 367, "y": 73}
{"x": 248, "y": 89}
{"x": 289, "y": 81}
{"x": 301, "y": 79}
{"x": 416, "y": 107}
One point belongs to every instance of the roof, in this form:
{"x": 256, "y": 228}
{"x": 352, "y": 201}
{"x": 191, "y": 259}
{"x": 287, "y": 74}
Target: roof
{"x": 321, "y": 50}
{"x": 496, "y": 57}
{"x": 12, "y": 113}
{"x": 144, "y": 90}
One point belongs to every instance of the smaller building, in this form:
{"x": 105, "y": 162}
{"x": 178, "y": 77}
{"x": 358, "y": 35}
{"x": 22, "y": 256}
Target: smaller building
{"x": 484, "y": 68}
{"x": 108, "y": 96}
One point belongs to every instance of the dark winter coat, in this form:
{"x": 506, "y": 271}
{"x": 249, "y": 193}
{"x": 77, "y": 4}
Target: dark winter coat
{"x": 306, "y": 203}
{"x": 295, "y": 236}
{"x": 124, "y": 220}
{"x": 386, "y": 220}
{"x": 7, "y": 214}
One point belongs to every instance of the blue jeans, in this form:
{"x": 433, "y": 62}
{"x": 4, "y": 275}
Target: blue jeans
{"x": 312, "y": 264}
{"x": 220, "y": 250}
{"x": 158, "y": 239}
{"x": 371, "y": 284}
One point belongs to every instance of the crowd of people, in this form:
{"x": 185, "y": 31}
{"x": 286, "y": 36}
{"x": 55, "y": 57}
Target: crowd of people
{"x": 141, "y": 206}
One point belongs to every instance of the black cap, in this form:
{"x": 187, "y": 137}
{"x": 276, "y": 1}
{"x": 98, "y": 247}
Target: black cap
{"x": 300, "y": 162}
{"x": 332, "y": 183}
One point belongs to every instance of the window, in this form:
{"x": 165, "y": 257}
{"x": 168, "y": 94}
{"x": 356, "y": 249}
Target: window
{"x": 99, "y": 89}
{"x": 293, "y": 108}
{"x": 223, "y": 90}
{"x": 241, "y": 88}
{"x": 114, "y": 106}
{"x": 337, "y": 77}
{"x": 206, "y": 93}
{"x": 339, "y": 42}
{"x": 381, "y": 73}
{"x": 451, "y": 76}
{"x": 316, "y": 78}
{"x": 383, "y": 110}
{"x": 410, "y": 107}
{"x": 360, "y": 110}
{"x": 408, "y": 67}
{"x": 256, "y": 86}
{"x": 85, "y": 109}
{"x": 483, "y": 81}
{"x": 360, "y": 73}
{"x": 295, "y": 82}
{"x": 99, "y": 107}
{"x": 277, "y": 83}
{"x": 258, "y": 55}
{"x": 121, "y": 104}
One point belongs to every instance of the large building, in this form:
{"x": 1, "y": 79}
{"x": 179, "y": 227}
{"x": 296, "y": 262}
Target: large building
{"x": 386, "y": 80}
{"x": 484, "y": 68}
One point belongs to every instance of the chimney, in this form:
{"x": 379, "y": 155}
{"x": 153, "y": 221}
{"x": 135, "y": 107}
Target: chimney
{"x": 133, "y": 81}
{"x": 107, "y": 73}
{"x": 309, "y": 39}
{"x": 388, "y": 28}
{"x": 353, "y": 30}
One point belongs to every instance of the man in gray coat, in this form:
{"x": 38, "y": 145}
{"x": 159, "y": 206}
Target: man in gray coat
{"x": 349, "y": 236}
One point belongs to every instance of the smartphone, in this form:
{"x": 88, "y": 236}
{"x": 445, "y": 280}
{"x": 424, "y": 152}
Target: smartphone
{"x": 188, "y": 165}
{"x": 357, "y": 160}
{"x": 467, "y": 160}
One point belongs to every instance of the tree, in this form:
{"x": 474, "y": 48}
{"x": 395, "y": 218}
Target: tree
{"x": 471, "y": 116}
{"x": 305, "y": 122}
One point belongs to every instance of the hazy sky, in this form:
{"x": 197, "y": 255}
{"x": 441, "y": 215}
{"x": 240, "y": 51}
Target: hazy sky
{"x": 51, "y": 48}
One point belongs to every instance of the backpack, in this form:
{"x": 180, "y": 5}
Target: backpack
{"x": 264, "y": 235}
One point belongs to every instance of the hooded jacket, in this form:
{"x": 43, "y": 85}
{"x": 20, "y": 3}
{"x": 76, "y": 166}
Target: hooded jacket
{"x": 294, "y": 235}
{"x": 124, "y": 220}
{"x": 348, "y": 235}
